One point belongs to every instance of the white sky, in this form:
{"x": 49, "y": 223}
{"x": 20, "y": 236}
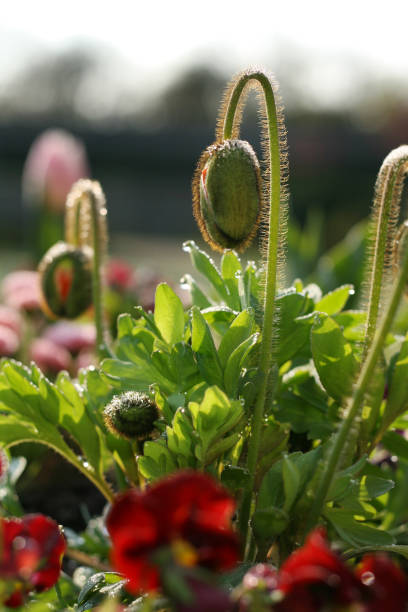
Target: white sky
{"x": 158, "y": 38}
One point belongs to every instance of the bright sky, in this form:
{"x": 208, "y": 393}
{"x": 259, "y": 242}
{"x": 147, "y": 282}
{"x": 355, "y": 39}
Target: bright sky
{"x": 336, "y": 38}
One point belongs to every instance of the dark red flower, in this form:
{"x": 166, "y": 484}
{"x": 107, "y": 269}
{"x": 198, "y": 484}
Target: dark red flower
{"x": 31, "y": 554}
{"x": 315, "y": 574}
{"x": 187, "y": 514}
{"x": 387, "y": 587}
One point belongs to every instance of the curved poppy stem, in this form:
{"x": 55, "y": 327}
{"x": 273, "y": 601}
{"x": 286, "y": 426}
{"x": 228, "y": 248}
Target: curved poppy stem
{"x": 386, "y": 208}
{"x": 266, "y": 356}
{"x": 356, "y": 401}
{"x": 86, "y": 224}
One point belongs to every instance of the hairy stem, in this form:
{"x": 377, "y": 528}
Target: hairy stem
{"x": 86, "y": 224}
{"x": 355, "y": 403}
{"x": 386, "y": 209}
{"x": 266, "y": 355}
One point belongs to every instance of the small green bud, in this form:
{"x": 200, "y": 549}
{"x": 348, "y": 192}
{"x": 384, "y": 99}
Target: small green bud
{"x": 66, "y": 280}
{"x": 227, "y": 195}
{"x": 131, "y": 415}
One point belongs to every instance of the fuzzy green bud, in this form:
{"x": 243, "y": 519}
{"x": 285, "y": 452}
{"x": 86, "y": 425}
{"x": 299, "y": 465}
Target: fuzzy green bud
{"x": 66, "y": 280}
{"x": 131, "y": 415}
{"x": 227, "y": 194}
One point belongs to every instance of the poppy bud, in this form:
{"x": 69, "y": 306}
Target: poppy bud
{"x": 227, "y": 195}
{"x": 131, "y": 415}
{"x": 66, "y": 280}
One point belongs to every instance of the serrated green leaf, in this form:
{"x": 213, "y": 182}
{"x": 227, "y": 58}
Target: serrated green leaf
{"x": 240, "y": 329}
{"x": 334, "y": 301}
{"x": 205, "y": 265}
{"x": 202, "y": 344}
{"x": 198, "y": 298}
{"x": 292, "y": 334}
{"x": 235, "y": 363}
{"x": 397, "y": 400}
{"x": 333, "y": 357}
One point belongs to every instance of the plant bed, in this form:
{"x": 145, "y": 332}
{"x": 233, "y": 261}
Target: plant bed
{"x": 250, "y": 448}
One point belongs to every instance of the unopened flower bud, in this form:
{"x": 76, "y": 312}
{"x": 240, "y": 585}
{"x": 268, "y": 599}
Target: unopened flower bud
{"x": 66, "y": 280}
{"x": 227, "y": 195}
{"x": 131, "y": 415}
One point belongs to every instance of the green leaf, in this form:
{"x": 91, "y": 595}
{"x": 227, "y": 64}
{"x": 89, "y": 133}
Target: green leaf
{"x": 355, "y": 532}
{"x": 99, "y": 587}
{"x": 202, "y": 344}
{"x": 334, "y": 301}
{"x": 157, "y": 460}
{"x": 240, "y": 329}
{"x": 198, "y": 298}
{"x": 397, "y": 400}
{"x": 293, "y": 335}
{"x": 219, "y": 318}
{"x": 139, "y": 374}
{"x": 230, "y": 270}
{"x": 272, "y": 490}
{"x": 205, "y": 265}
{"x": 291, "y": 482}
{"x": 396, "y": 444}
{"x": 235, "y": 364}
{"x": 169, "y": 314}
{"x": 333, "y": 357}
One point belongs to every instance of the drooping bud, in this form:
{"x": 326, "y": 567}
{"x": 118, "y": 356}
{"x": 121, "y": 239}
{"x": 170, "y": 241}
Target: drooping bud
{"x": 66, "y": 280}
{"x": 131, "y": 415}
{"x": 227, "y": 195}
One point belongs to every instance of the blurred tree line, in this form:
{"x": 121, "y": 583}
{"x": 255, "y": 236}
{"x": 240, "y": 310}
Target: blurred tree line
{"x": 144, "y": 150}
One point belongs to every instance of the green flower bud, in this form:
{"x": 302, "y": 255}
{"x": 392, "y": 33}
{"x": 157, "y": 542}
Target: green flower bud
{"x": 131, "y": 415}
{"x": 227, "y": 198}
{"x": 66, "y": 280}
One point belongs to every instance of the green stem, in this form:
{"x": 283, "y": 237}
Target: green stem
{"x": 356, "y": 401}
{"x": 95, "y": 213}
{"x": 386, "y": 209}
{"x": 266, "y": 356}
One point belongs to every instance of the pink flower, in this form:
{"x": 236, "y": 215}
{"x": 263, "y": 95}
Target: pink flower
{"x": 72, "y": 336}
{"x": 55, "y": 161}
{"x": 9, "y": 341}
{"x": 50, "y": 357}
{"x": 21, "y": 290}
{"x": 10, "y": 317}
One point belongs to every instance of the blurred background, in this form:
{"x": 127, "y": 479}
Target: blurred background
{"x": 138, "y": 85}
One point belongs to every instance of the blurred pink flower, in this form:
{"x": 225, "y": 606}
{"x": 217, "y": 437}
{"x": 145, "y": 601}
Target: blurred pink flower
{"x": 49, "y": 356}
{"x": 9, "y": 341}
{"x": 72, "y": 336}
{"x": 85, "y": 358}
{"x": 120, "y": 275}
{"x": 10, "y": 317}
{"x": 21, "y": 290}
{"x": 55, "y": 161}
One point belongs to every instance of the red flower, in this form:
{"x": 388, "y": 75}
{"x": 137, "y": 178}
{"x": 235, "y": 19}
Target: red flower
{"x": 386, "y": 584}
{"x": 31, "y": 554}
{"x": 187, "y": 514}
{"x": 315, "y": 574}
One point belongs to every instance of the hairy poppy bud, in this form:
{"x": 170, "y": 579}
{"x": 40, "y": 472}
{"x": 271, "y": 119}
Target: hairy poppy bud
{"x": 131, "y": 415}
{"x": 227, "y": 194}
{"x": 66, "y": 280}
